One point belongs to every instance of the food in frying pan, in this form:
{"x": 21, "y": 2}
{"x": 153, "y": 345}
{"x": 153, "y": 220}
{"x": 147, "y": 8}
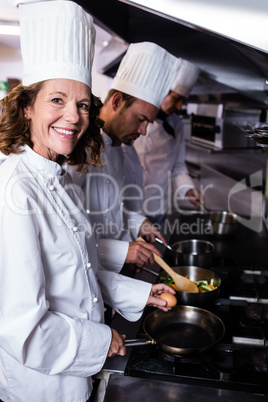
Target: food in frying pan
{"x": 203, "y": 286}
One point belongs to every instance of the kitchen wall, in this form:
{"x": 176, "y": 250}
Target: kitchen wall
{"x": 10, "y": 65}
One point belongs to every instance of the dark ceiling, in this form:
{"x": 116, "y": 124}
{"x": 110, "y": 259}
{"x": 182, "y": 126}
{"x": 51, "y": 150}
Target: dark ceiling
{"x": 235, "y": 71}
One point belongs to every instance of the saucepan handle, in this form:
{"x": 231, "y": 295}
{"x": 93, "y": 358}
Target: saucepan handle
{"x": 139, "y": 342}
{"x": 167, "y": 246}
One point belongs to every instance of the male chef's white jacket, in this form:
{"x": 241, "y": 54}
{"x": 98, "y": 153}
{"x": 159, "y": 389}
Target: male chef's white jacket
{"x": 52, "y": 336}
{"x": 163, "y": 161}
{"x": 103, "y": 193}
{"x": 133, "y": 173}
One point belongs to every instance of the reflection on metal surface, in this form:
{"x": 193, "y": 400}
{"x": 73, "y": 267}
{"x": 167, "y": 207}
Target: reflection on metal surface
{"x": 232, "y": 71}
{"x": 248, "y": 341}
{"x": 220, "y": 17}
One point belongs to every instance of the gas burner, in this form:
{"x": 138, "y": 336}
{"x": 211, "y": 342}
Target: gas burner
{"x": 177, "y": 359}
{"x": 226, "y": 360}
{"x": 255, "y": 312}
{"x": 260, "y": 361}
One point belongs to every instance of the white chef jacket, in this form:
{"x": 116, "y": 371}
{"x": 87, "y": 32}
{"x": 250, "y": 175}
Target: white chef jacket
{"x": 103, "y": 192}
{"x": 2, "y": 158}
{"x": 133, "y": 179}
{"x": 163, "y": 161}
{"x": 52, "y": 335}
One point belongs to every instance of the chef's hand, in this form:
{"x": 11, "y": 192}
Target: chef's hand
{"x": 141, "y": 253}
{"x": 117, "y": 346}
{"x": 154, "y": 299}
{"x": 195, "y": 197}
{"x": 149, "y": 231}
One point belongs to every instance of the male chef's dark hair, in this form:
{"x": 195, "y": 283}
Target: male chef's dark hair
{"x": 14, "y": 128}
{"x": 128, "y": 99}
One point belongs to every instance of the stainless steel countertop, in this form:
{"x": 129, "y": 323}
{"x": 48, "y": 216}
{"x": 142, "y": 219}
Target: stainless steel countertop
{"x": 131, "y": 389}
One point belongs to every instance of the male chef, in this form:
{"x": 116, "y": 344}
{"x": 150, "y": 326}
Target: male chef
{"x": 144, "y": 77}
{"x": 162, "y": 151}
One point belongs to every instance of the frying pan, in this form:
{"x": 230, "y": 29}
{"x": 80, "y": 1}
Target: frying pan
{"x": 204, "y": 300}
{"x": 183, "y": 330}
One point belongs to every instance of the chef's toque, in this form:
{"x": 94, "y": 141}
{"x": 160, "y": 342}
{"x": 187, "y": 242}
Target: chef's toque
{"x": 57, "y": 41}
{"x": 146, "y": 72}
{"x": 185, "y": 79}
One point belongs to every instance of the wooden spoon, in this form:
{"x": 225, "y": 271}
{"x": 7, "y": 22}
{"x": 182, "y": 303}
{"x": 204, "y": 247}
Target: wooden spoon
{"x": 182, "y": 283}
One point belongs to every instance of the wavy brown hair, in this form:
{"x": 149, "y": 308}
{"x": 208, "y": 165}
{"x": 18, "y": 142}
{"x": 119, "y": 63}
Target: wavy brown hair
{"x": 14, "y": 128}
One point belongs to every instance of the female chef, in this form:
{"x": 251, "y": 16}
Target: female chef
{"x": 52, "y": 335}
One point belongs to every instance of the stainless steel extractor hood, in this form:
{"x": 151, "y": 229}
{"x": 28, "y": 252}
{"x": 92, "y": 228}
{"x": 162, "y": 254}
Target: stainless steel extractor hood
{"x": 226, "y": 39}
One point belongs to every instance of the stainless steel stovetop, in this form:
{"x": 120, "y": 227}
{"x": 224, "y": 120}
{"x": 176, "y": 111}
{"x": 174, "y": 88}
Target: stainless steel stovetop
{"x": 240, "y": 360}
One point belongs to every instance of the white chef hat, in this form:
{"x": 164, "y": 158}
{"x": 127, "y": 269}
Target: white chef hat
{"x": 186, "y": 78}
{"x": 146, "y": 72}
{"x": 57, "y": 41}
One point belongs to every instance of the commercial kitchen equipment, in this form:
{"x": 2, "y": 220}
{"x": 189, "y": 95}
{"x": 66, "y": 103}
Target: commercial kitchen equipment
{"x": 234, "y": 368}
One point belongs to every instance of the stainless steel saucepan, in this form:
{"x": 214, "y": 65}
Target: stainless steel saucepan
{"x": 223, "y": 223}
{"x": 193, "y": 252}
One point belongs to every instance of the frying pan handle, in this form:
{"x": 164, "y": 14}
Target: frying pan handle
{"x": 167, "y": 246}
{"x": 159, "y": 260}
{"x": 139, "y": 342}
{"x": 150, "y": 271}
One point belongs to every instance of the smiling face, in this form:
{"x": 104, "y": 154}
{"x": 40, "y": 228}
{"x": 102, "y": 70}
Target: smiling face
{"x": 172, "y": 102}
{"x": 126, "y": 124}
{"x": 59, "y": 117}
